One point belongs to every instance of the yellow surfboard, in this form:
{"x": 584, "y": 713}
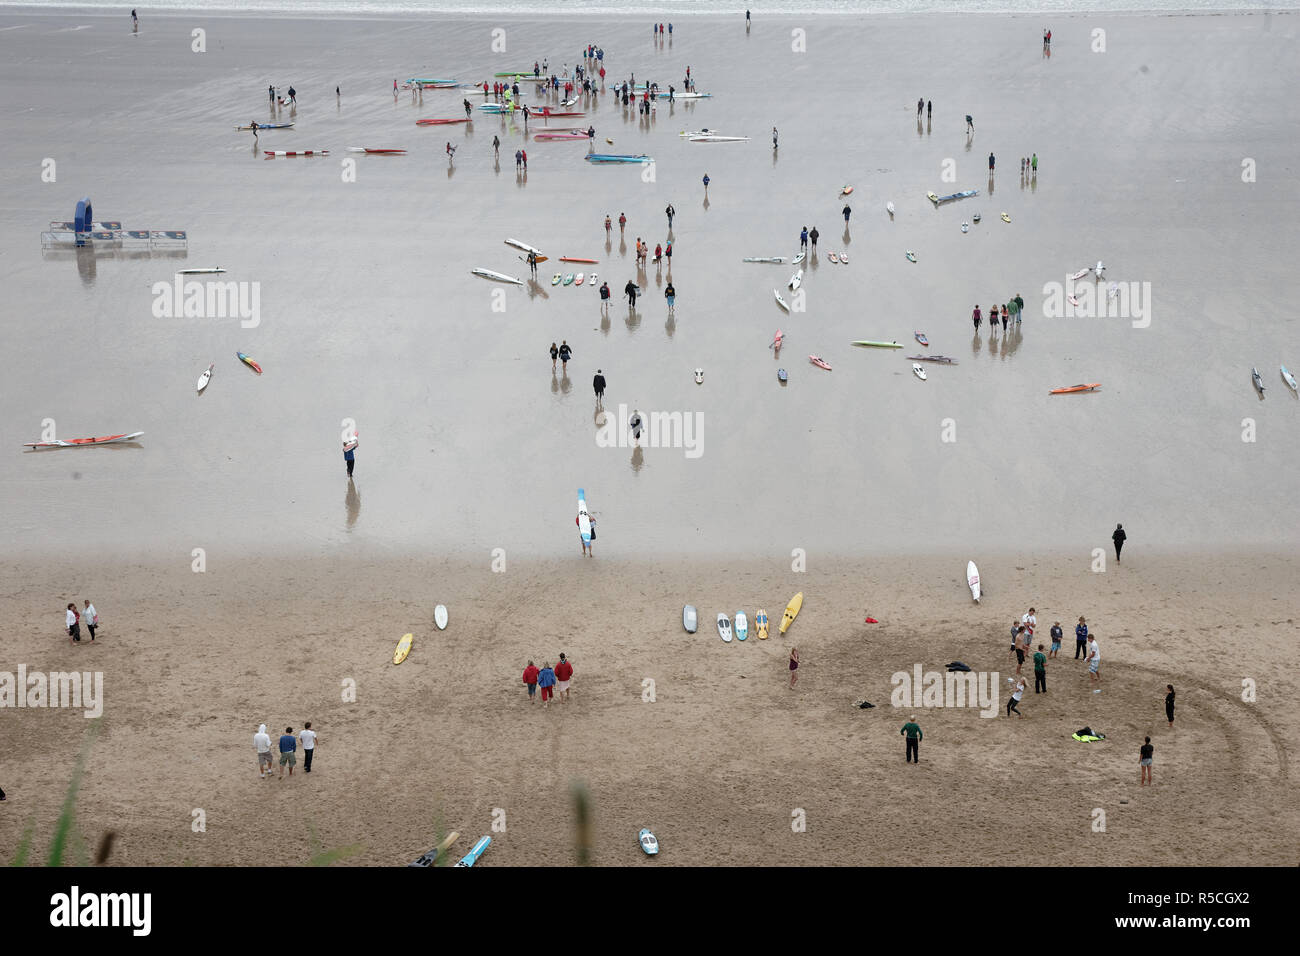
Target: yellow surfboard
{"x": 403, "y": 648}
{"x": 761, "y": 623}
{"x": 791, "y": 611}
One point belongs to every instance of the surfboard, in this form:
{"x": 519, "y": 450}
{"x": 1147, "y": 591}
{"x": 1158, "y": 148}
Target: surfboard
{"x": 577, "y": 280}
{"x": 690, "y": 619}
{"x": 555, "y": 279}
{"x": 1072, "y": 299}
{"x": 973, "y": 580}
{"x": 576, "y": 259}
{"x": 523, "y": 246}
{"x": 1289, "y": 379}
{"x": 782, "y": 376}
{"x": 568, "y": 280}
{"x": 403, "y": 648}
{"x": 431, "y": 858}
{"x": 470, "y": 858}
{"x": 742, "y": 626}
{"x": 699, "y": 376}
{"x": 207, "y": 377}
{"x": 965, "y": 227}
{"x": 911, "y": 256}
{"x": 795, "y": 280}
{"x": 249, "y": 362}
{"x": 798, "y": 259}
{"x": 846, "y": 191}
{"x": 933, "y": 197}
{"x": 833, "y": 257}
{"x": 872, "y": 344}
{"x": 1075, "y": 388}
{"x": 646, "y": 840}
{"x": 975, "y": 218}
{"x": 1006, "y": 218}
{"x": 1258, "y": 380}
{"x": 918, "y": 371}
{"x": 889, "y": 207}
{"x": 724, "y": 628}
{"x": 584, "y": 519}
{"x": 440, "y": 617}
{"x": 760, "y": 624}
{"x": 497, "y": 276}
{"x": 780, "y": 301}
{"x": 1080, "y": 274}
{"x": 791, "y": 611}
{"x": 352, "y": 443}
{"x": 844, "y": 259}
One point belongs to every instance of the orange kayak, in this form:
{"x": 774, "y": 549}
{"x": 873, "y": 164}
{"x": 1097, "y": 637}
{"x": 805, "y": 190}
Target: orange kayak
{"x": 1075, "y": 388}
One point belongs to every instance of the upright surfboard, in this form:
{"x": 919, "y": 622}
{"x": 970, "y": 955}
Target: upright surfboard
{"x": 973, "y": 579}
{"x": 470, "y": 858}
{"x": 584, "y": 519}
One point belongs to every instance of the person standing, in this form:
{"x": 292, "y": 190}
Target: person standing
{"x": 794, "y": 666}
{"x": 1017, "y": 647}
{"x": 518, "y": 160}
{"x": 1040, "y": 671}
{"x": 598, "y": 384}
{"x": 670, "y": 294}
{"x": 1030, "y": 620}
{"x": 706, "y": 183}
{"x": 288, "y": 751}
{"x": 990, "y": 162}
{"x": 135, "y": 21}
{"x": 1016, "y": 694}
{"x": 1033, "y": 164}
{"x": 262, "y": 744}
{"x": 92, "y": 620}
{"x": 74, "y": 624}
{"x": 774, "y": 143}
{"x": 622, "y": 222}
{"x": 929, "y": 110}
{"x": 1006, "y": 315}
{"x": 1118, "y": 537}
{"x": 496, "y": 147}
{"x": 1020, "y": 306}
{"x": 629, "y": 290}
{"x": 912, "y": 730}
{"x": 604, "y": 297}
{"x": 566, "y": 353}
{"x": 293, "y": 96}
{"x": 920, "y": 107}
{"x": 546, "y": 681}
{"x": 1169, "y": 704}
{"x": 975, "y": 317}
{"x": 1057, "y": 634}
{"x": 350, "y": 455}
{"x": 530, "y": 679}
{"x": 270, "y": 92}
{"x": 563, "y": 674}
{"x": 308, "y": 738}
{"x": 532, "y": 263}
{"x": 668, "y": 254}
{"x": 803, "y": 238}
{"x": 1144, "y": 763}
{"x": 812, "y": 237}
{"x": 608, "y": 226}
{"x": 1081, "y": 639}
{"x": 524, "y": 155}
{"x": 970, "y": 124}
{"x": 670, "y": 212}
{"x": 1094, "y": 659}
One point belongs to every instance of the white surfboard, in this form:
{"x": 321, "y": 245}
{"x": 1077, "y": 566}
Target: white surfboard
{"x": 205, "y": 378}
{"x": 440, "y": 616}
{"x": 780, "y": 301}
{"x": 689, "y": 618}
{"x": 920, "y": 372}
{"x": 584, "y": 519}
{"x": 724, "y": 628}
{"x": 798, "y": 259}
{"x": 742, "y": 626}
{"x": 1080, "y": 274}
{"x": 890, "y": 207}
{"x": 523, "y": 246}
{"x": 973, "y": 579}
{"x": 795, "y": 280}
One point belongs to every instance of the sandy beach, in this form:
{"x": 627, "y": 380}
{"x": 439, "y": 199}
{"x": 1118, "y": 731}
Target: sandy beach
{"x": 472, "y": 449}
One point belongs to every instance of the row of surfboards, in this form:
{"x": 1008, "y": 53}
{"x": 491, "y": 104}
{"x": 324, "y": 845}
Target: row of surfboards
{"x": 739, "y": 629}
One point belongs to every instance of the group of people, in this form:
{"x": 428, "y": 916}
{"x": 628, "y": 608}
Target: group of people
{"x": 1010, "y": 311}
{"x": 288, "y": 747}
{"x": 1022, "y": 639}
{"x": 554, "y": 681}
{"x": 73, "y": 622}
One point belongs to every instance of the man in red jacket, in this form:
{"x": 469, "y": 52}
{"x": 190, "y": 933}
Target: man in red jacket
{"x": 530, "y": 679}
{"x": 563, "y": 673}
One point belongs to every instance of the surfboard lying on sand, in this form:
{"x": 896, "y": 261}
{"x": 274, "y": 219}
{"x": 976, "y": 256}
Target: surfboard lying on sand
{"x": 1289, "y": 379}
{"x": 795, "y": 281}
{"x": 1258, "y": 380}
{"x": 376, "y": 150}
{"x": 403, "y": 648}
{"x": 791, "y": 611}
{"x": 973, "y": 580}
{"x": 646, "y": 840}
{"x": 760, "y": 624}
{"x": 440, "y": 617}
{"x": 941, "y": 359}
{"x": 780, "y": 301}
{"x": 249, "y": 362}
{"x": 776, "y": 259}
{"x": 871, "y": 344}
{"x": 724, "y": 628}
{"x": 1081, "y": 273}
{"x": 430, "y": 858}
{"x": 470, "y": 858}
{"x": 689, "y": 618}
{"x": 1006, "y": 218}
{"x": 833, "y": 257}
{"x": 911, "y": 256}
{"x": 297, "y": 152}
{"x": 205, "y": 378}
{"x": 206, "y": 271}
{"x": 918, "y": 371}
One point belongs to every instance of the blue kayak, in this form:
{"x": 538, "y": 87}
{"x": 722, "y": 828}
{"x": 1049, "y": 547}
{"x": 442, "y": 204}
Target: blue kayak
{"x": 617, "y": 158}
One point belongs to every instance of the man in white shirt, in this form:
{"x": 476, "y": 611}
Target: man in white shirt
{"x": 262, "y": 744}
{"x": 1030, "y": 621}
{"x": 307, "y": 737}
{"x": 74, "y": 628}
{"x": 1094, "y": 658}
{"x": 92, "y": 619}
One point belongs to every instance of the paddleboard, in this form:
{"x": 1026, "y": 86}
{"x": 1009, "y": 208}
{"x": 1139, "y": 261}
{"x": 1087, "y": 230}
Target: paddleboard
{"x": 1289, "y": 379}
{"x": 1258, "y": 380}
{"x": 584, "y": 519}
{"x": 889, "y": 207}
{"x": 941, "y": 359}
{"x": 918, "y": 371}
{"x": 689, "y": 618}
{"x": 782, "y": 376}
{"x": 207, "y": 377}
{"x": 819, "y": 362}
{"x": 724, "y": 628}
{"x": 497, "y": 276}
{"x": 646, "y": 840}
{"x": 1006, "y": 218}
{"x": 833, "y": 257}
{"x": 791, "y": 611}
{"x": 1075, "y": 388}
{"x": 911, "y": 256}
{"x": 403, "y": 648}
{"x": 920, "y": 337}
{"x": 441, "y": 122}
{"x": 470, "y": 858}
{"x": 795, "y": 280}
{"x": 523, "y": 246}
{"x": 780, "y": 301}
{"x": 776, "y": 259}
{"x": 798, "y": 259}
{"x": 973, "y": 580}
{"x": 431, "y": 858}
{"x": 760, "y": 624}
{"x": 742, "y": 626}
{"x": 870, "y": 344}
{"x": 375, "y": 151}
{"x": 297, "y": 152}
{"x": 699, "y": 376}
{"x": 440, "y": 617}
{"x": 249, "y": 362}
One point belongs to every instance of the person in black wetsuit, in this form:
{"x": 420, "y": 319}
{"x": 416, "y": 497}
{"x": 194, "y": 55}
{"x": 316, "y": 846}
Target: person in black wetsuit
{"x": 1118, "y": 537}
{"x": 1169, "y": 703}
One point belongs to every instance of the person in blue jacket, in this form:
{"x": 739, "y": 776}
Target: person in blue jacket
{"x": 546, "y": 681}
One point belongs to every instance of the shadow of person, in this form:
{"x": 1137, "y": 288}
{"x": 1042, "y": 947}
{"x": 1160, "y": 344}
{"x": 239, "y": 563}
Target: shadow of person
{"x": 638, "y": 459}
{"x": 919, "y": 130}
{"x": 706, "y": 200}
{"x": 990, "y": 183}
{"x": 846, "y": 237}
{"x": 352, "y": 502}
{"x": 555, "y": 383}
{"x": 566, "y": 383}
{"x": 670, "y": 326}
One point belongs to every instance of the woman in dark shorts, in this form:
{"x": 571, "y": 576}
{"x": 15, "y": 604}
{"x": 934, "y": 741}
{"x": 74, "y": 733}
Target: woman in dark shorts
{"x": 1169, "y": 703}
{"x": 794, "y": 665}
{"x": 1145, "y": 763}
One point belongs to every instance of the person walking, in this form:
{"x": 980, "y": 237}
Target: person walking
{"x": 912, "y": 730}
{"x": 670, "y": 212}
{"x": 622, "y": 222}
{"x": 293, "y": 96}
{"x": 970, "y": 124}
{"x": 1081, "y": 639}
{"x": 566, "y": 353}
{"x": 598, "y": 384}
{"x": 668, "y": 254}
{"x": 1020, "y": 307}
{"x": 563, "y": 674}
{"x": 670, "y": 294}
{"x": 604, "y": 297}
{"x": 1016, "y": 694}
{"x": 608, "y": 226}
{"x": 262, "y": 745}
{"x": 929, "y": 110}
{"x": 1033, "y": 164}
{"x": 74, "y": 624}
{"x": 350, "y": 455}
{"x": 920, "y": 107}
{"x": 92, "y": 619}
{"x": 1057, "y": 634}
{"x": 496, "y": 147}
{"x": 706, "y": 183}
{"x": 1040, "y": 671}
{"x": 990, "y": 162}
{"x": 468, "y": 109}
{"x": 774, "y": 142}
{"x": 794, "y": 666}
{"x": 812, "y": 237}
{"x": 1144, "y": 763}
{"x": 270, "y": 91}
{"x": 518, "y": 160}
{"x": 530, "y": 675}
{"x": 524, "y": 155}
{"x": 1006, "y": 315}
{"x": 1118, "y": 537}
{"x": 847, "y": 212}
{"x": 288, "y": 751}
{"x": 532, "y": 263}
{"x": 1169, "y": 704}
{"x": 546, "y": 681}
{"x": 1094, "y": 659}
{"x": 307, "y": 737}
{"x": 803, "y": 238}
{"x": 975, "y": 317}
{"x": 629, "y": 290}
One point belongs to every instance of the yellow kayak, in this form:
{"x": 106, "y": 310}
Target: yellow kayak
{"x": 791, "y": 611}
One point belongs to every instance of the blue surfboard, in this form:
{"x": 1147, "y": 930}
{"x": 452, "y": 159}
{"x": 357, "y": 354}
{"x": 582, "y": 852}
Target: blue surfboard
{"x": 470, "y": 858}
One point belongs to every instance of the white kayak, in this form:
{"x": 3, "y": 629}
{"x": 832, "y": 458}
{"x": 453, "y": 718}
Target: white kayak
{"x": 498, "y": 276}
{"x": 523, "y": 246}
{"x": 205, "y": 378}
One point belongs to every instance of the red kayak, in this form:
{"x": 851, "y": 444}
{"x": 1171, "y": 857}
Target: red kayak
{"x": 102, "y": 440}
{"x": 440, "y": 122}
{"x": 547, "y": 112}
{"x": 819, "y": 362}
{"x": 1075, "y": 388}
{"x": 381, "y": 152}
{"x": 572, "y": 259}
